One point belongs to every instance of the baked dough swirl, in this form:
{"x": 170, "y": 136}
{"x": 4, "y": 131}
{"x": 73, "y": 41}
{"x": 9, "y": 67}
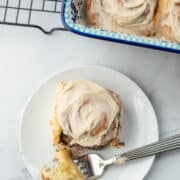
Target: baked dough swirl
{"x": 127, "y": 16}
{"x": 88, "y": 114}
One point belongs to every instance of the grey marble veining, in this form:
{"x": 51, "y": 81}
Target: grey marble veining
{"x": 28, "y": 57}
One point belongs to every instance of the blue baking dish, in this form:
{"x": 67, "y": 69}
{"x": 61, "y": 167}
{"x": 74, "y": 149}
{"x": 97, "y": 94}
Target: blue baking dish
{"x": 72, "y": 15}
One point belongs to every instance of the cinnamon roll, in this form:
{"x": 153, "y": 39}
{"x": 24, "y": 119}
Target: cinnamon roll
{"x": 171, "y": 20}
{"x": 127, "y": 16}
{"x": 88, "y": 114}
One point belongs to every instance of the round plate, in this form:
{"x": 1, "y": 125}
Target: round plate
{"x": 140, "y": 123}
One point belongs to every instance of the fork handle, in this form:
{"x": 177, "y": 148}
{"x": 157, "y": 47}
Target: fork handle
{"x": 163, "y": 145}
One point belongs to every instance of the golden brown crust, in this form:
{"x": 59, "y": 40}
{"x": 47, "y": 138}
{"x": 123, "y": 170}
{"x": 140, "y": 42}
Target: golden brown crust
{"x": 157, "y": 17}
{"x": 64, "y": 169}
{"x": 91, "y": 17}
{"x": 116, "y": 143}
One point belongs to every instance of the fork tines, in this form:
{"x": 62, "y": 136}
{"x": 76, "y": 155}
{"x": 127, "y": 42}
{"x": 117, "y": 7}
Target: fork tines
{"x": 84, "y": 166}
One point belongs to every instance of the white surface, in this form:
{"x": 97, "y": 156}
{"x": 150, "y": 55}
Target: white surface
{"x": 140, "y": 123}
{"x": 28, "y": 57}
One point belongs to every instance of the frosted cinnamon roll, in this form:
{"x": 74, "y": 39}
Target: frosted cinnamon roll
{"x": 171, "y": 20}
{"x": 127, "y": 16}
{"x": 88, "y": 114}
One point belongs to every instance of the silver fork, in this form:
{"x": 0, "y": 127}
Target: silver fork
{"x": 92, "y": 165}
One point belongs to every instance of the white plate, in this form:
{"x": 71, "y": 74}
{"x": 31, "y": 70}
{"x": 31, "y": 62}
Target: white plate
{"x": 140, "y": 124}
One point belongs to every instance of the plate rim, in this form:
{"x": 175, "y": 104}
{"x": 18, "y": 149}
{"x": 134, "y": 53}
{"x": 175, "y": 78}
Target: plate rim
{"x": 62, "y": 70}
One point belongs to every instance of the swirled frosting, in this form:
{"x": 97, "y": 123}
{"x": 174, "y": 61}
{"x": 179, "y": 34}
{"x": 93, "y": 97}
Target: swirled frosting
{"x": 171, "y": 20}
{"x": 89, "y": 114}
{"x": 129, "y": 16}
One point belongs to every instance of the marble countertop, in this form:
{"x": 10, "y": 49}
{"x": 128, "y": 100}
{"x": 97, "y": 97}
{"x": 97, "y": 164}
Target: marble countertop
{"x": 28, "y": 57}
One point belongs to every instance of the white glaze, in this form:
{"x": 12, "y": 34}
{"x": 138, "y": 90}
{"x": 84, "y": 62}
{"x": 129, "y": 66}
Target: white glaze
{"x": 81, "y": 107}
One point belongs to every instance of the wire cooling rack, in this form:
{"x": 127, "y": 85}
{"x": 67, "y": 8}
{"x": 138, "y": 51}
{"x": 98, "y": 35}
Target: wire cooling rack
{"x": 41, "y": 14}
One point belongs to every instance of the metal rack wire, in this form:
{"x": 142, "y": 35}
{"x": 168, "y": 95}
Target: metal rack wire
{"x": 41, "y": 14}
